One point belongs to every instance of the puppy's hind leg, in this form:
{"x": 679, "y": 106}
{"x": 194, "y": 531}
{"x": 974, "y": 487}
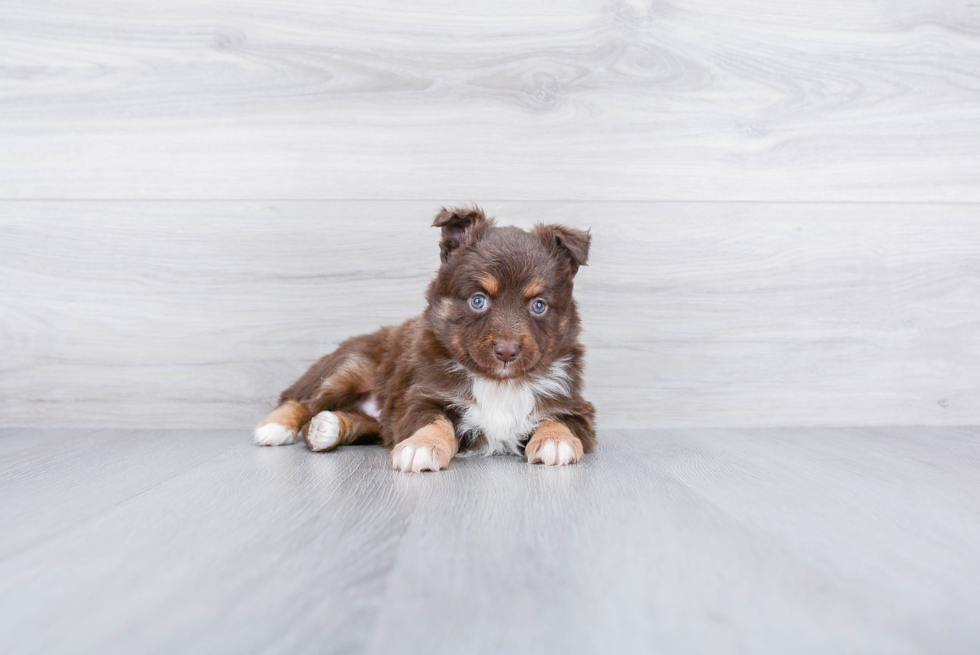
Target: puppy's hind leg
{"x": 337, "y": 382}
{"x": 281, "y": 426}
{"x": 328, "y": 430}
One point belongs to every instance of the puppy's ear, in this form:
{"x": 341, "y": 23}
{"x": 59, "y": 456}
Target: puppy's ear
{"x": 461, "y": 226}
{"x": 566, "y": 242}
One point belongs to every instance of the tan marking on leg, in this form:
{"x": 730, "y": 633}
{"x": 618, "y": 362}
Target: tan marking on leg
{"x": 350, "y": 427}
{"x": 429, "y": 449}
{"x": 489, "y": 283}
{"x": 533, "y": 288}
{"x": 354, "y": 425}
{"x": 346, "y": 425}
{"x": 291, "y": 415}
{"x": 553, "y": 444}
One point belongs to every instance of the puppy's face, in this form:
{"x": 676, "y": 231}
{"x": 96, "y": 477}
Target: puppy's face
{"x": 502, "y": 303}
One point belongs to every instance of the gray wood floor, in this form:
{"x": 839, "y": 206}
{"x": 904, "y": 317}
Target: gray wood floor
{"x": 696, "y": 540}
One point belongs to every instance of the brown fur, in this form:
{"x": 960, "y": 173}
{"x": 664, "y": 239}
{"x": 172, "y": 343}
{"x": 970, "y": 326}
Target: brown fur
{"x": 415, "y": 370}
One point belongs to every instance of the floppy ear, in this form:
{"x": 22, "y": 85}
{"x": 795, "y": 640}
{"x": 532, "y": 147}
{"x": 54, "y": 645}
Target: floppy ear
{"x": 566, "y": 242}
{"x": 461, "y": 226}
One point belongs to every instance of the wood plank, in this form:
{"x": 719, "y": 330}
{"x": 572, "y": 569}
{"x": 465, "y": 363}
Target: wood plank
{"x": 141, "y": 314}
{"x": 579, "y": 99}
{"x": 254, "y": 550}
{"x": 809, "y": 541}
{"x": 16, "y": 443}
{"x": 721, "y": 540}
{"x": 65, "y": 477}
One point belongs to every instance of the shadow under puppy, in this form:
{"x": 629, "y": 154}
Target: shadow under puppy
{"x": 492, "y": 366}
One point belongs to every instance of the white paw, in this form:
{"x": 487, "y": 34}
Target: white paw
{"x": 412, "y": 458}
{"x": 554, "y": 452}
{"x": 273, "y": 434}
{"x": 324, "y": 431}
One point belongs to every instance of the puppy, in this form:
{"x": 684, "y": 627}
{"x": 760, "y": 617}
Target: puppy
{"x": 492, "y": 366}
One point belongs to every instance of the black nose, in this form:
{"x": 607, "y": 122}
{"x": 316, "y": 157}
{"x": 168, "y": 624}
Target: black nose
{"x": 506, "y": 352}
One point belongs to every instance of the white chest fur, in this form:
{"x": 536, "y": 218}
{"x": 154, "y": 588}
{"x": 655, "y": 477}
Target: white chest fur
{"x": 505, "y": 412}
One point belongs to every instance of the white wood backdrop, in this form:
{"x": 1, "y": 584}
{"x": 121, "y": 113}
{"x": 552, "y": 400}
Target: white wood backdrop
{"x": 197, "y": 199}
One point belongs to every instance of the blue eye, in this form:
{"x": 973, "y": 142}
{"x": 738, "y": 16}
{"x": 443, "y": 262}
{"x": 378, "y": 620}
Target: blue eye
{"x": 539, "y": 306}
{"x": 478, "y": 302}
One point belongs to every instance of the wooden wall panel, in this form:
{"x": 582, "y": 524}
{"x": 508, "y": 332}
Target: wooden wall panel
{"x": 199, "y": 198}
{"x": 570, "y": 100}
{"x": 731, "y": 314}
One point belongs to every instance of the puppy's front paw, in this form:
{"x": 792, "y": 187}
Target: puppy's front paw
{"x": 553, "y": 444}
{"x": 323, "y": 432}
{"x": 273, "y": 434}
{"x": 409, "y": 457}
{"x": 553, "y": 452}
{"x": 429, "y": 449}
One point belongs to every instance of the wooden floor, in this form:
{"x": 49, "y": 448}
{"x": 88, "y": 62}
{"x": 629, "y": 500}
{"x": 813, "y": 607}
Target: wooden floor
{"x": 779, "y": 540}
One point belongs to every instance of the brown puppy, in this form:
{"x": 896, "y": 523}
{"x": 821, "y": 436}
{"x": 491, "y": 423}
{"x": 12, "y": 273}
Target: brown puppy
{"x": 493, "y": 365}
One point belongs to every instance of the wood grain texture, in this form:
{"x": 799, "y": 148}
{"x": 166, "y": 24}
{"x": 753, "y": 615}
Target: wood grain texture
{"x": 671, "y": 541}
{"x": 122, "y": 314}
{"x": 57, "y": 479}
{"x": 254, "y": 550}
{"x": 579, "y": 99}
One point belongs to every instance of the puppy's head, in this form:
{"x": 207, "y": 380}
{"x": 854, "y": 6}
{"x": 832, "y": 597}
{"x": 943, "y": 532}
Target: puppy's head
{"x": 502, "y": 303}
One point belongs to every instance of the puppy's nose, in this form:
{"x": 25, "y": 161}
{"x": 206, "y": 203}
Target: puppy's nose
{"x": 506, "y": 352}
